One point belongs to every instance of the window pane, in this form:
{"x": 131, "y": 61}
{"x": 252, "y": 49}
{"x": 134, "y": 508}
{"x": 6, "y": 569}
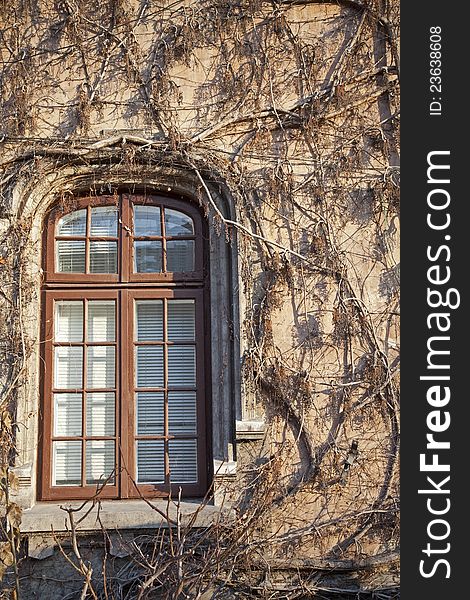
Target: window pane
{"x": 149, "y": 366}
{"x": 67, "y": 463}
{"x": 149, "y": 320}
{"x": 181, "y": 320}
{"x": 72, "y": 224}
{"x": 68, "y": 367}
{"x": 182, "y": 366}
{"x": 100, "y": 414}
{"x": 148, "y": 257}
{"x": 103, "y": 257}
{"x": 150, "y": 413}
{"x": 150, "y": 461}
{"x": 101, "y": 321}
{"x": 180, "y": 256}
{"x": 70, "y": 256}
{"x": 67, "y": 415}
{"x": 182, "y": 413}
{"x": 177, "y": 223}
{"x": 104, "y": 221}
{"x": 183, "y": 461}
{"x": 101, "y": 367}
{"x": 100, "y": 462}
{"x": 147, "y": 221}
{"x": 68, "y": 321}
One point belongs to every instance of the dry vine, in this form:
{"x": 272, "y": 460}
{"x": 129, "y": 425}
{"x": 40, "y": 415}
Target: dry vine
{"x": 294, "y": 111}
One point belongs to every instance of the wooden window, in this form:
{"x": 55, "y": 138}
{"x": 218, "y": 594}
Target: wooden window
{"x": 124, "y": 381}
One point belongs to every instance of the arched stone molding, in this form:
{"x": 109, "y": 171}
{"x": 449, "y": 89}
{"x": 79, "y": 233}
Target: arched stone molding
{"x": 31, "y": 198}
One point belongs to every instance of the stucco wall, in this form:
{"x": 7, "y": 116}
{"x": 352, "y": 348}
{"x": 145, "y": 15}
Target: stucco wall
{"x": 280, "y": 120}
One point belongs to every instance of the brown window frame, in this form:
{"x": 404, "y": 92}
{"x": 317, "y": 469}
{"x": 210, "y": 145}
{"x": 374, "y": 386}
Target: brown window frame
{"x": 125, "y": 287}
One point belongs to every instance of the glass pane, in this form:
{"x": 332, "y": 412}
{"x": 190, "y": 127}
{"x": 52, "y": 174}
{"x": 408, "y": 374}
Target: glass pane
{"x": 70, "y": 256}
{"x": 72, "y": 224}
{"x": 150, "y": 461}
{"x": 103, "y": 257}
{"x": 68, "y": 321}
{"x": 181, "y": 320}
{"x": 150, "y": 415}
{"x": 67, "y": 415}
{"x": 180, "y": 256}
{"x": 183, "y": 461}
{"x": 67, "y": 463}
{"x": 104, "y": 221}
{"x": 68, "y": 367}
{"x": 149, "y": 366}
{"x": 100, "y": 411}
{"x": 181, "y": 413}
{"x": 100, "y": 462}
{"x": 100, "y": 367}
{"x": 148, "y": 257}
{"x": 101, "y": 321}
{"x": 182, "y": 366}
{"x": 147, "y": 221}
{"x": 149, "y": 320}
{"x": 177, "y": 223}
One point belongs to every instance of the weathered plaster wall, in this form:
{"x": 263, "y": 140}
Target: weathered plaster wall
{"x": 283, "y": 116}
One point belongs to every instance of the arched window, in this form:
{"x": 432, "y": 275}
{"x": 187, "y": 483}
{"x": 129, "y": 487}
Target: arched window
{"x": 125, "y": 328}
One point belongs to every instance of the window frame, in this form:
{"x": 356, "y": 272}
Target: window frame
{"x": 124, "y": 287}
{"x": 125, "y": 257}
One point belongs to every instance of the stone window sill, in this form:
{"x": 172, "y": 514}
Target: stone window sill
{"x": 47, "y": 517}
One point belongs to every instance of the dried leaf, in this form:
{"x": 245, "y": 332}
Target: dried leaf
{"x": 13, "y": 480}
{"x": 14, "y": 515}
{"x": 6, "y": 555}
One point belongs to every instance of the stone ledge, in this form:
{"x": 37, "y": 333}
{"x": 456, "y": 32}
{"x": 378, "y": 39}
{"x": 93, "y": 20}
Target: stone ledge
{"x": 250, "y": 430}
{"x": 46, "y": 517}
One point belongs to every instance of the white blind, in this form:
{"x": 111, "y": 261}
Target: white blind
{"x": 103, "y": 257}
{"x": 149, "y": 320}
{"x": 100, "y": 414}
{"x": 149, "y": 365}
{"x": 99, "y": 460}
{"x": 100, "y": 406}
{"x": 66, "y": 462}
{"x": 182, "y": 408}
{"x": 181, "y": 413}
{"x": 70, "y": 256}
{"x": 104, "y": 221}
{"x": 68, "y": 367}
{"x": 101, "y": 367}
{"x": 183, "y": 461}
{"x": 181, "y": 320}
{"x": 181, "y": 366}
{"x": 180, "y": 256}
{"x": 150, "y": 461}
{"x": 101, "y": 321}
{"x": 68, "y": 320}
{"x": 67, "y": 415}
{"x": 150, "y": 415}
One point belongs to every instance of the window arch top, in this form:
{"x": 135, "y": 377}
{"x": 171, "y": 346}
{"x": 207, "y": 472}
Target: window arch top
{"x": 130, "y": 238}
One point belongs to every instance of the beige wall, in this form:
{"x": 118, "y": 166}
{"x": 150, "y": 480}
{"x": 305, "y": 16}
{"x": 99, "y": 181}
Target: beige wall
{"x": 291, "y": 113}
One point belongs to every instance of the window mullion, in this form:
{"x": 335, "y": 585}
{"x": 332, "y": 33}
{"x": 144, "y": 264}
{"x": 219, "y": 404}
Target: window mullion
{"x": 165, "y": 393}
{"x": 84, "y": 387}
{"x": 163, "y": 230}
{"x": 87, "y": 239}
{"x": 125, "y": 238}
{"x": 125, "y": 399}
